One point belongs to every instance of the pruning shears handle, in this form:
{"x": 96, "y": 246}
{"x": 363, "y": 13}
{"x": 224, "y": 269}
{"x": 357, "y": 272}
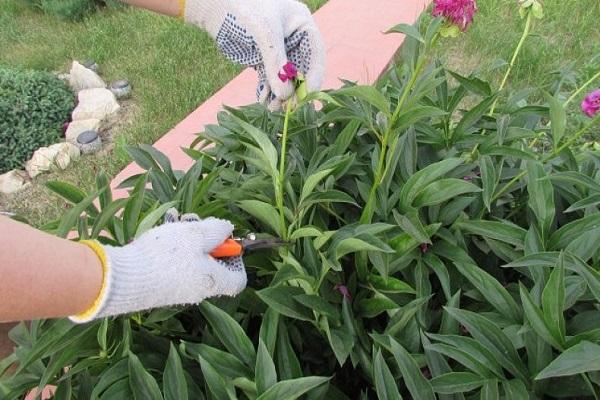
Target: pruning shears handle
{"x": 234, "y": 247}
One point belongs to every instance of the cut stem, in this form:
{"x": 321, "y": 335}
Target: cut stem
{"x": 280, "y": 180}
{"x": 582, "y": 88}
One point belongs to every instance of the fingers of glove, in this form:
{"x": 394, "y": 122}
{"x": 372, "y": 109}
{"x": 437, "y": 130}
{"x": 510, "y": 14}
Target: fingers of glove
{"x": 171, "y": 216}
{"x": 207, "y": 234}
{"x": 309, "y": 55}
{"x": 190, "y": 217}
{"x": 271, "y": 44}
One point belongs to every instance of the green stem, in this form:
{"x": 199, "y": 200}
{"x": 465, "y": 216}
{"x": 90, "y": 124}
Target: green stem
{"x": 582, "y": 88}
{"x": 513, "y": 61}
{"x": 547, "y": 157}
{"x": 367, "y": 213}
{"x": 280, "y": 182}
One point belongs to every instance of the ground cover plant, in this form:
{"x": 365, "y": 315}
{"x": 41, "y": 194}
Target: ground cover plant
{"x": 33, "y": 108}
{"x": 130, "y": 43}
{"x": 436, "y": 252}
{"x": 70, "y": 9}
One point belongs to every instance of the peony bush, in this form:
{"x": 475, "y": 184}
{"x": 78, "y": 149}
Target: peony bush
{"x": 438, "y": 251}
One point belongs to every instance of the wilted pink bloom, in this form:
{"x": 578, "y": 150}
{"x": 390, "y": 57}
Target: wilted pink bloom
{"x": 65, "y": 126}
{"x": 424, "y": 248}
{"x": 456, "y": 12}
{"x": 591, "y": 103}
{"x": 343, "y": 290}
{"x": 289, "y": 72}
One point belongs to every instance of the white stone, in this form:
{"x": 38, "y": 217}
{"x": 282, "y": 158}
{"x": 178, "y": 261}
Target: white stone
{"x": 67, "y": 152}
{"x": 64, "y": 77}
{"x": 81, "y": 78}
{"x": 76, "y": 128}
{"x": 11, "y": 182}
{"x": 95, "y": 104}
{"x": 41, "y": 161}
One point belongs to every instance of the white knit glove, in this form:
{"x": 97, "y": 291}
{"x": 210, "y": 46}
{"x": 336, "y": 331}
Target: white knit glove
{"x": 265, "y": 35}
{"x": 168, "y": 265}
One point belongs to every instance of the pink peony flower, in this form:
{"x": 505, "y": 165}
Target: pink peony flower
{"x": 591, "y": 104}
{"x": 289, "y": 72}
{"x": 457, "y": 12}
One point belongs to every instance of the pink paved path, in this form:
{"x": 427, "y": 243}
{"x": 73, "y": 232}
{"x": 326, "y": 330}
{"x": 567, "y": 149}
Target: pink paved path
{"x": 357, "y": 50}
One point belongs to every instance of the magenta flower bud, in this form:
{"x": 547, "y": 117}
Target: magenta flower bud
{"x": 289, "y": 72}
{"x": 459, "y": 13}
{"x": 591, "y": 104}
{"x": 344, "y": 291}
{"x": 424, "y": 248}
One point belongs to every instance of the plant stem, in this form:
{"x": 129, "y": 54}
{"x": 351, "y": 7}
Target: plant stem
{"x": 367, "y": 213}
{"x": 513, "y": 61}
{"x": 280, "y": 182}
{"x": 582, "y": 88}
{"x": 548, "y": 156}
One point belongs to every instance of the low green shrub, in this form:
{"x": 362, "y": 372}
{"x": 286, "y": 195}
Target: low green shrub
{"x": 71, "y": 9}
{"x": 33, "y": 107}
{"x": 436, "y": 253}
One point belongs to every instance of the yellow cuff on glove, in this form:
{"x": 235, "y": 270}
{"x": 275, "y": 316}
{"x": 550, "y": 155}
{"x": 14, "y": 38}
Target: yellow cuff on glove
{"x": 181, "y": 8}
{"x": 99, "y": 251}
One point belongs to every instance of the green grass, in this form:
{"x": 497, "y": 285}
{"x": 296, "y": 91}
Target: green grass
{"x": 566, "y": 43}
{"x": 172, "y": 66}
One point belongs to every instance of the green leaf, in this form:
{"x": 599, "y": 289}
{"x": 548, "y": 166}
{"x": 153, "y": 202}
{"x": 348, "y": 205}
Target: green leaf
{"x": 456, "y": 382}
{"x": 132, "y": 211}
{"x": 417, "y": 182}
{"x": 385, "y": 384}
{"x": 226, "y": 363}
{"x": 317, "y": 303}
{"x": 558, "y": 119}
{"x": 220, "y": 388}
{"x": 305, "y": 231}
{"x": 411, "y": 224}
{"x": 553, "y": 302}
{"x": 541, "y": 196}
{"x": 152, "y": 218}
{"x": 281, "y": 299}
{"x": 174, "y": 384}
{"x": 491, "y": 336}
{"x": 583, "y": 357}
{"x": 408, "y": 30}
{"x": 268, "y": 329}
{"x": 328, "y": 196}
{"x": 267, "y": 149}
{"x": 312, "y": 181}
{"x": 502, "y": 231}
{"x": 142, "y": 384}
{"x": 489, "y": 178}
{"x": 117, "y": 372}
{"x": 536, "y": 318}
{"x": 442, "y": 190}
{"x": 266, "y": 376}
{"x": 370, "y": 94}
{"x": 229, "y": 332}
{"x": 67, "y": 191}
{"x": 589, "y": 274}
{"x": 515, "y": 389}
{"x": 492, "y": 290}
{"x": 292, "y": 389}
{"x": 417, "y": 385}
{"x": 489, "y": 391}
{"x": 69, "y": 220}
{"x": 473, "y": 84}
{"x": 474, "y": 115}
{"x": 389, "y": 284}
{"x": 363, "y": 243}
{"x": 264, "y": 212}
{"x": 107, "y": 215}
{"x": 141, "y": 158}
{"x": 571, "y": 231}
{"x": 589, "y": 201}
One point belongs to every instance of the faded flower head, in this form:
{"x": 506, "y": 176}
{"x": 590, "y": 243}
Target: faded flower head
{"x": 458, "y": 14}
{"x": 289, "y": 72}
{"x": 343, "y": 289}
{"x": 534, "y": 6}
{"x": 591, "y": 104}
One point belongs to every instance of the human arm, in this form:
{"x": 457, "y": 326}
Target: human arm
{"x": 46, "y": 277}
{"x": 43, "y": 276}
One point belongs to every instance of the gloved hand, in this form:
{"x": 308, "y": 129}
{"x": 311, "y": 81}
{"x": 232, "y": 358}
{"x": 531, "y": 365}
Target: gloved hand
{"x": 265, "y": 35}
{"x": 168, "y": 265}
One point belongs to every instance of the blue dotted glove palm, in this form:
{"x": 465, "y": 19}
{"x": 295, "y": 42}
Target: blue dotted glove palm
{"x": 264, "y": 35}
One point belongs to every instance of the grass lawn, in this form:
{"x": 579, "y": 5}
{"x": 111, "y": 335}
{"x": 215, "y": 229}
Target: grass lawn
{"x": 173, "y": 68}
{"x": 566, "y": 43}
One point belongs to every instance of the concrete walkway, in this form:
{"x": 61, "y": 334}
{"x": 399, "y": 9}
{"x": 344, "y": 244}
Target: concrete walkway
{"x": 357, "y": 50}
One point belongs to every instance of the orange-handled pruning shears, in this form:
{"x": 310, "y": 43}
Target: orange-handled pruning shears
{"x": 235, "y": 247}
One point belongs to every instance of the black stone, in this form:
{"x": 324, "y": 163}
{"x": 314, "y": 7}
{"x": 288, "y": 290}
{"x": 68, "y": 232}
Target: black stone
{"x": 87, "y": 137}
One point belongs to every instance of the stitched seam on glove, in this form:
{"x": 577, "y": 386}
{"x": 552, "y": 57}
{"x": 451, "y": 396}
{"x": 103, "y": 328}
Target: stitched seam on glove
{"x": 88, "y": 314}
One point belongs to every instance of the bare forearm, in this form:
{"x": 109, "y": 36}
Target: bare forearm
{"x": 42, "y": 276}
{"x": 167, "y": 7}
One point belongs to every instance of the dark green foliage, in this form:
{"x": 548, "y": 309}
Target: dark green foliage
{"x": 33, "y": 107}
{"x": 463, "y": 275}
{"x": 71, "y": 9}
